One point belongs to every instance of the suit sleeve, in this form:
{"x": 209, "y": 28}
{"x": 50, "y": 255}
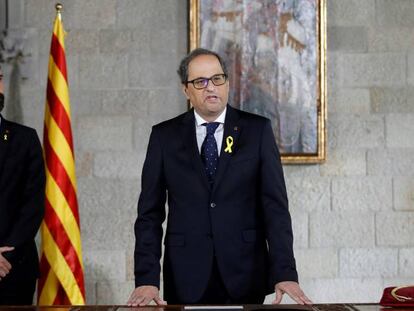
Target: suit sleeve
{"x": 276, "y": 213}
{"x": 32, "y": 201}
{"x": 151, "y": 215}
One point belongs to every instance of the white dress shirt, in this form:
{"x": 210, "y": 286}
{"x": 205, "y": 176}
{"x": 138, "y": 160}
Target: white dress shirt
{"x": 201, "y": 130}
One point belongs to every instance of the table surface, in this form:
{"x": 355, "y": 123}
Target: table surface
{"x": 316, "y": 307}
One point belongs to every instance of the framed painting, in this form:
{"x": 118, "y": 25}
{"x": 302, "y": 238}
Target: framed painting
{"x": 275, "y": 52}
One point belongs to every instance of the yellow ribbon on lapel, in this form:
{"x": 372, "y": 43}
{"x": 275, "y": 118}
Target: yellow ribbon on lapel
{"x": 229, "y": 144}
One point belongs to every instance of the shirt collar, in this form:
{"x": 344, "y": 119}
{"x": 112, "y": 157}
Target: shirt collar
{"x": 220, "y": 118}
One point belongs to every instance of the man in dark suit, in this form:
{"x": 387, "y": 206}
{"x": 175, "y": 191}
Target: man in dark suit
{"x": 228, "y": 237}
{"x": 22, "y": 190}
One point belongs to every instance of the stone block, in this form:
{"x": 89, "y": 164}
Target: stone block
{"x": 108, "y": 265}
{"x": 108, "y": 209}
{"x": 410, "y": 100}
{"x": 39, "y": 80}
{"x": 340, "y": 163}
{"x": 130, "y": 265}
{"x": 15, "y": 14}
{"x": 143, "y": 42}
{"x": 142, "y": 131}
{"x": 174, "y": 39}
{"x": 143, "y": 70}
{"x": 167, "y": 103}
{"x": 90, "y": 292}
{"x": 93, "y": 14}
{"x": 410, "y": 69}
{"x": 105, "y": 133}
{"x": 41, "y": 13}
{"x": 82, "y": 41}
{"x": 72, "y": 64}
{"x": 115, "y": 40}
{"x": 370, "y": 262}
{"x": 113, "y": 293}
{"x": 44, "y": 40}
{"x": 388, "y": 100}
{"x": 400, "y": 130}
{"x": 86, "y": 102}
{"x": 362, "y": 194}
{"x": 300, "y": 228}
{"x": 391, "y": 162}
{"x": 102, "y": 71}
{"x": 351, "y": 12}
{"x": 149, "y": 14}
{"x": 399, "y": 281}
{"x": 403, "y": 190}
{"x": 123, "y": 165}
{"x": 355, "y": 131}
{"x": 334, "y": 71}
{"x": 406, "y": 263}
{"x": 76, "y": 14}
{"x": 84, "y": 163}
{"x": 342, "y": 229}
{"x": 390, "y": 39}
{"x": 335, "y": 290}
{"x": 373, "y": 69}
{"x": 349, "y": 38}
{"x": 317, "y": 262}
{"x": 130, "y": 101}
{"x": 310, "y": 170}
{"x": 33, "y": 106}
{"x": 395, "y": 13}
{"x": 349, "y": 100}
{"x": 395, "y": 229}
{"x": 308, "y": 194}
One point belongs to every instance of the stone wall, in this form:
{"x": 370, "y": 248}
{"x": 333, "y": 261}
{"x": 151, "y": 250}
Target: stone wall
{"x": 353, "y": 216}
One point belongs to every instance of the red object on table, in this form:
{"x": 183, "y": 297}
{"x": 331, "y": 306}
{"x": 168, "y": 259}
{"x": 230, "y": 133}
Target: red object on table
{"x": 401, "y": 296}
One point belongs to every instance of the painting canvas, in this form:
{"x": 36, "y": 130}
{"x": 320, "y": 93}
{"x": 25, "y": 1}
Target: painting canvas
{"x": 275, "y": 53}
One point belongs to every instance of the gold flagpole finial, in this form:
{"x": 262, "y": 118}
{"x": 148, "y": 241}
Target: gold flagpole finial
{"x": 58, "y": 7}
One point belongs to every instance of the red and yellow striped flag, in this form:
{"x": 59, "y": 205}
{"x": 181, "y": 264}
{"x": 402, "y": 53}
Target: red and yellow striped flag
{"x": 61, "y": 265}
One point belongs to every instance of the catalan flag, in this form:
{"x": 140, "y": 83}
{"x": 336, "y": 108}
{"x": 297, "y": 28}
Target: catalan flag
{"x": 61, "y": 281}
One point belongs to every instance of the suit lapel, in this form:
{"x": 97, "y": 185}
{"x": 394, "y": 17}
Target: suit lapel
{"x": 232, "y": 130}
{"x": 4, "y": 142}
{"x": 188, "y": 135}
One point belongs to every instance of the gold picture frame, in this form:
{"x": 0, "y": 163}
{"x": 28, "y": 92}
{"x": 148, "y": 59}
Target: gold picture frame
{"x": 277, "y": 51}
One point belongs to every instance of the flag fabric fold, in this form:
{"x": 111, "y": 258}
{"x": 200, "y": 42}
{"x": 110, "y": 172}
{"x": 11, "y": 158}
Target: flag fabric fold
{"x": 61, "y": 281}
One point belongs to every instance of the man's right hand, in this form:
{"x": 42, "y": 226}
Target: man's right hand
{"x": 5, "y": 265}
{"x": 143, "y": 295}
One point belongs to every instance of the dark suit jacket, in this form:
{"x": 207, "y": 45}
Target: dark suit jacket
{"x": 22, "y": 191}
{"x": 243, "y": 220}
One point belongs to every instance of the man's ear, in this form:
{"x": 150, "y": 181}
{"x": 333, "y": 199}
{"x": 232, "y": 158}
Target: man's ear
{"x": 185, "y": 91}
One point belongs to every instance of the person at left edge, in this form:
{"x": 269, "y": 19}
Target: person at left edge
{"x": 22, "y": 199}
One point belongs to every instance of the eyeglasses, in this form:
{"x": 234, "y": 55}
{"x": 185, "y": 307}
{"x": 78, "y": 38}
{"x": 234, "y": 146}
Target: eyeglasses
{"x": 201, "y": 83}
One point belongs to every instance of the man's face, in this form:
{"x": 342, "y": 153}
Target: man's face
{"x": 210, "y": 101}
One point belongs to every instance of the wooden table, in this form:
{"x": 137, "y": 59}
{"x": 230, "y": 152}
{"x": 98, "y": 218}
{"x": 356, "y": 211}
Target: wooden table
{"x": 316, "y": 307}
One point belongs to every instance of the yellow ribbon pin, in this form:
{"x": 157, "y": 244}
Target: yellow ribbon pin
{"x": 229, "y": 144}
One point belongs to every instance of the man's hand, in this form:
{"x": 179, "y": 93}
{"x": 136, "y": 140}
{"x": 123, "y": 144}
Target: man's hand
{"x": 293, "y": 290}
{"x": 143, "y": 295}
{"x": 5, "y": 266}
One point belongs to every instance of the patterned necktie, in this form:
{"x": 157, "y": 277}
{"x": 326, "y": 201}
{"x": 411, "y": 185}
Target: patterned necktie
{"x": 209, "y": 152}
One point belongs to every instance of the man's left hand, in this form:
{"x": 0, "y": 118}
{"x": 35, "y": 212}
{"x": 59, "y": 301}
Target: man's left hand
{"x": 5, "y": 266}
{"x": 293, "y": 290}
